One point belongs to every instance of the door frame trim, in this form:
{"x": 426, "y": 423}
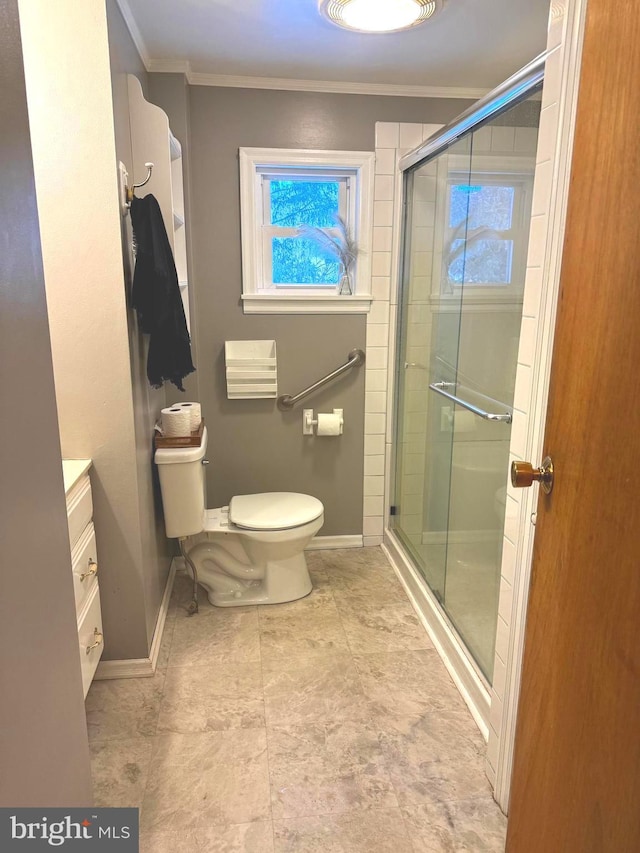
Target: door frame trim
{"x": 573, "y": 15}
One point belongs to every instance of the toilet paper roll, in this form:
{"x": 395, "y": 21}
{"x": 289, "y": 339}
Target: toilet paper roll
{"x": 195, "y": 412}
{"x": 329, "y": 425}
{"x": 176, "y": 422}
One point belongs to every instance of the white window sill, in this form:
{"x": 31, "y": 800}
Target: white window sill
{"x": 263, "y": 303}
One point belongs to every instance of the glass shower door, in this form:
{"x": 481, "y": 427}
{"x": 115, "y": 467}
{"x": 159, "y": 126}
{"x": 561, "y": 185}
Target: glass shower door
{"x": 463, "y": 280}
{"x": 494, "y": 202}
{"x": 423, "y": 447}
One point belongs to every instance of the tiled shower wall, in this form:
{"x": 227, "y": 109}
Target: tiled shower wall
{"x": 418, "y": 331}
{"x": 392, "y": 140}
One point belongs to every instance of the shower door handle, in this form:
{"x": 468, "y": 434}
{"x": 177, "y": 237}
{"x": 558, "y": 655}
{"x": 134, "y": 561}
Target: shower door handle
{"x": 523, "y": 474}
{"x": 440, "y": 388}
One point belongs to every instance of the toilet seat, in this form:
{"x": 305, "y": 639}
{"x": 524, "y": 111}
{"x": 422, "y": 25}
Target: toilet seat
{"x": 273, "y": 510}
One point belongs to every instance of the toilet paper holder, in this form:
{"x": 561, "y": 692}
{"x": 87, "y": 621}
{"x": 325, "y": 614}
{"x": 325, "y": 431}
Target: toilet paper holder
{"x": 308, "y": 421}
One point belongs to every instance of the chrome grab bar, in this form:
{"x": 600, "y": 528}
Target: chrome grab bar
{"x": 439, "y": 388}
{"x": 356, "y": 358}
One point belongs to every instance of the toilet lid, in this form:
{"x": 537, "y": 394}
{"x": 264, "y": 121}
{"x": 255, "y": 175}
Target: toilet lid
{"x": 273, "y": 510}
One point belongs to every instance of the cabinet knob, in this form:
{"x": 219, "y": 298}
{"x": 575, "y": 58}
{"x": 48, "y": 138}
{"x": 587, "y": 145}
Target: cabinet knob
{"x": 92, "y": 570}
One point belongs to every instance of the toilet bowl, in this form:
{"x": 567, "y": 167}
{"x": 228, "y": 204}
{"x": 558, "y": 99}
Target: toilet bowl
{"x": 251, "y": 552}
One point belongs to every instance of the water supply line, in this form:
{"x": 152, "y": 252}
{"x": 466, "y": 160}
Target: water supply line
{"x": 193, "y": 605}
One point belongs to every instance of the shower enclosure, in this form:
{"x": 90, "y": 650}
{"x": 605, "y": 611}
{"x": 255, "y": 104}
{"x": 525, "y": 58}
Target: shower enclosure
{"x": 468, "y": 197}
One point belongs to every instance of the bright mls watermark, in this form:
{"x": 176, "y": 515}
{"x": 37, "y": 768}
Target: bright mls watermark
{"x": 27, "y": 830}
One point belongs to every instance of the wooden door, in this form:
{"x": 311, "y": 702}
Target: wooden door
{"x": 576, "y": 781}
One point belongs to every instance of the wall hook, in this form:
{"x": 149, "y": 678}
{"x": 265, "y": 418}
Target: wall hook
{"x": 131, "y": 189}
{"x": 126, "y": 192}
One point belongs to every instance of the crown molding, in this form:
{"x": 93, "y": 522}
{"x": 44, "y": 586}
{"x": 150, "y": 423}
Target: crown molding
{"x": 199, "y": 78}
{"x": 134, "y": 32}
{"x": 170, "y": 66}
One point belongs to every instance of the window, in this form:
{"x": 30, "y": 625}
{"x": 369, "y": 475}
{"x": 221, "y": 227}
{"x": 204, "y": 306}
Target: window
{"x": 286, "y": 197}
{"x": 485, "y": 239}
{"x": 294, "y": 201}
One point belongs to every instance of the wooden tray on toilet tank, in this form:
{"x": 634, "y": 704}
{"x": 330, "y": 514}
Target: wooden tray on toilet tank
{"x": 193, "y": 440}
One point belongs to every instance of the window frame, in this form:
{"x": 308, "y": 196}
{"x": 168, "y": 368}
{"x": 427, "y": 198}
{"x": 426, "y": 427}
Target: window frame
{"x": 516, "y": 231}
{"x": 346, "y": 209}
{"x": 479, "y": 168}
{"x": 260, "y": 296}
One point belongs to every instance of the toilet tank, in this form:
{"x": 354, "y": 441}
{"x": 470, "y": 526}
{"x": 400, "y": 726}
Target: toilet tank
{"x": 182, "y": 483}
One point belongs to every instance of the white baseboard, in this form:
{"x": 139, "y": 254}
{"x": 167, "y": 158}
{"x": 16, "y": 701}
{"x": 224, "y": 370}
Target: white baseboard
{"x": 133, "y": 668}
{"x": 162, "y": 615}
{"x": 320, "y": 543}
{"x": 141, "y": 667}
{"x": 466, "y": 678}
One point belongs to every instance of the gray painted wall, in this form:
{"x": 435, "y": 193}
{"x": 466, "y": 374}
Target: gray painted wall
{"x": 88, "y": 324}
{"x": 147, "y": 402}
{"x": 105, "y": 408}
{"x": 253, "y": 446}
{"x": 44, "y": 753}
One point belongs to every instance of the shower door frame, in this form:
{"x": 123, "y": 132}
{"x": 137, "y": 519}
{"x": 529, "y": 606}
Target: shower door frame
{"x": 462, "y": 667}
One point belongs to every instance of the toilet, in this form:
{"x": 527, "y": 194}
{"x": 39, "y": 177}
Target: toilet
{"x": 250, "y": 552}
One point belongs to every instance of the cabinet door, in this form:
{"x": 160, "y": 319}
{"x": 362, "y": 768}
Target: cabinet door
{"x": 90, "y": 638}
{"x": 79, "y": 509}
{"x": 84, "y": 562}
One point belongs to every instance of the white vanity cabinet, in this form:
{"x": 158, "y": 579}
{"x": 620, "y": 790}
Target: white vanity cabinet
{"x": 84, "y": 562}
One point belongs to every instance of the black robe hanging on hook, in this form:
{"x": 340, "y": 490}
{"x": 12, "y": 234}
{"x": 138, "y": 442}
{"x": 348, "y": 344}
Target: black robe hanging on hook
{"x": 156, "y": 297}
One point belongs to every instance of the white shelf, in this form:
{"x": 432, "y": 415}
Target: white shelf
{"x": 252, "y": 371}
{"x": 72, "y": 471}
{"x": 152, "y": 140}
{"x": 175, "y": 149}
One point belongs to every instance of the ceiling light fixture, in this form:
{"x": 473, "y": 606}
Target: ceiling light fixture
{"x": 378, "y": 16}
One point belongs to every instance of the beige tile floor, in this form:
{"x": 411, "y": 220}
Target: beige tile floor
{"x": 328, "y": 725}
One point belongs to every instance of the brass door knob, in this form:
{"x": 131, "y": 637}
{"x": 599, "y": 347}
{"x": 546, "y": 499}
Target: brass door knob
{"x": 523, "y": 474}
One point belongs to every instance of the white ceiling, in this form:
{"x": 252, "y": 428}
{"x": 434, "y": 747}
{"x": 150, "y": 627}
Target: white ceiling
{"x": 469, "y": 43}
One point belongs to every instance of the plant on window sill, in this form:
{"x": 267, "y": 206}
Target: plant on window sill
{"x": 340, "y": 243}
